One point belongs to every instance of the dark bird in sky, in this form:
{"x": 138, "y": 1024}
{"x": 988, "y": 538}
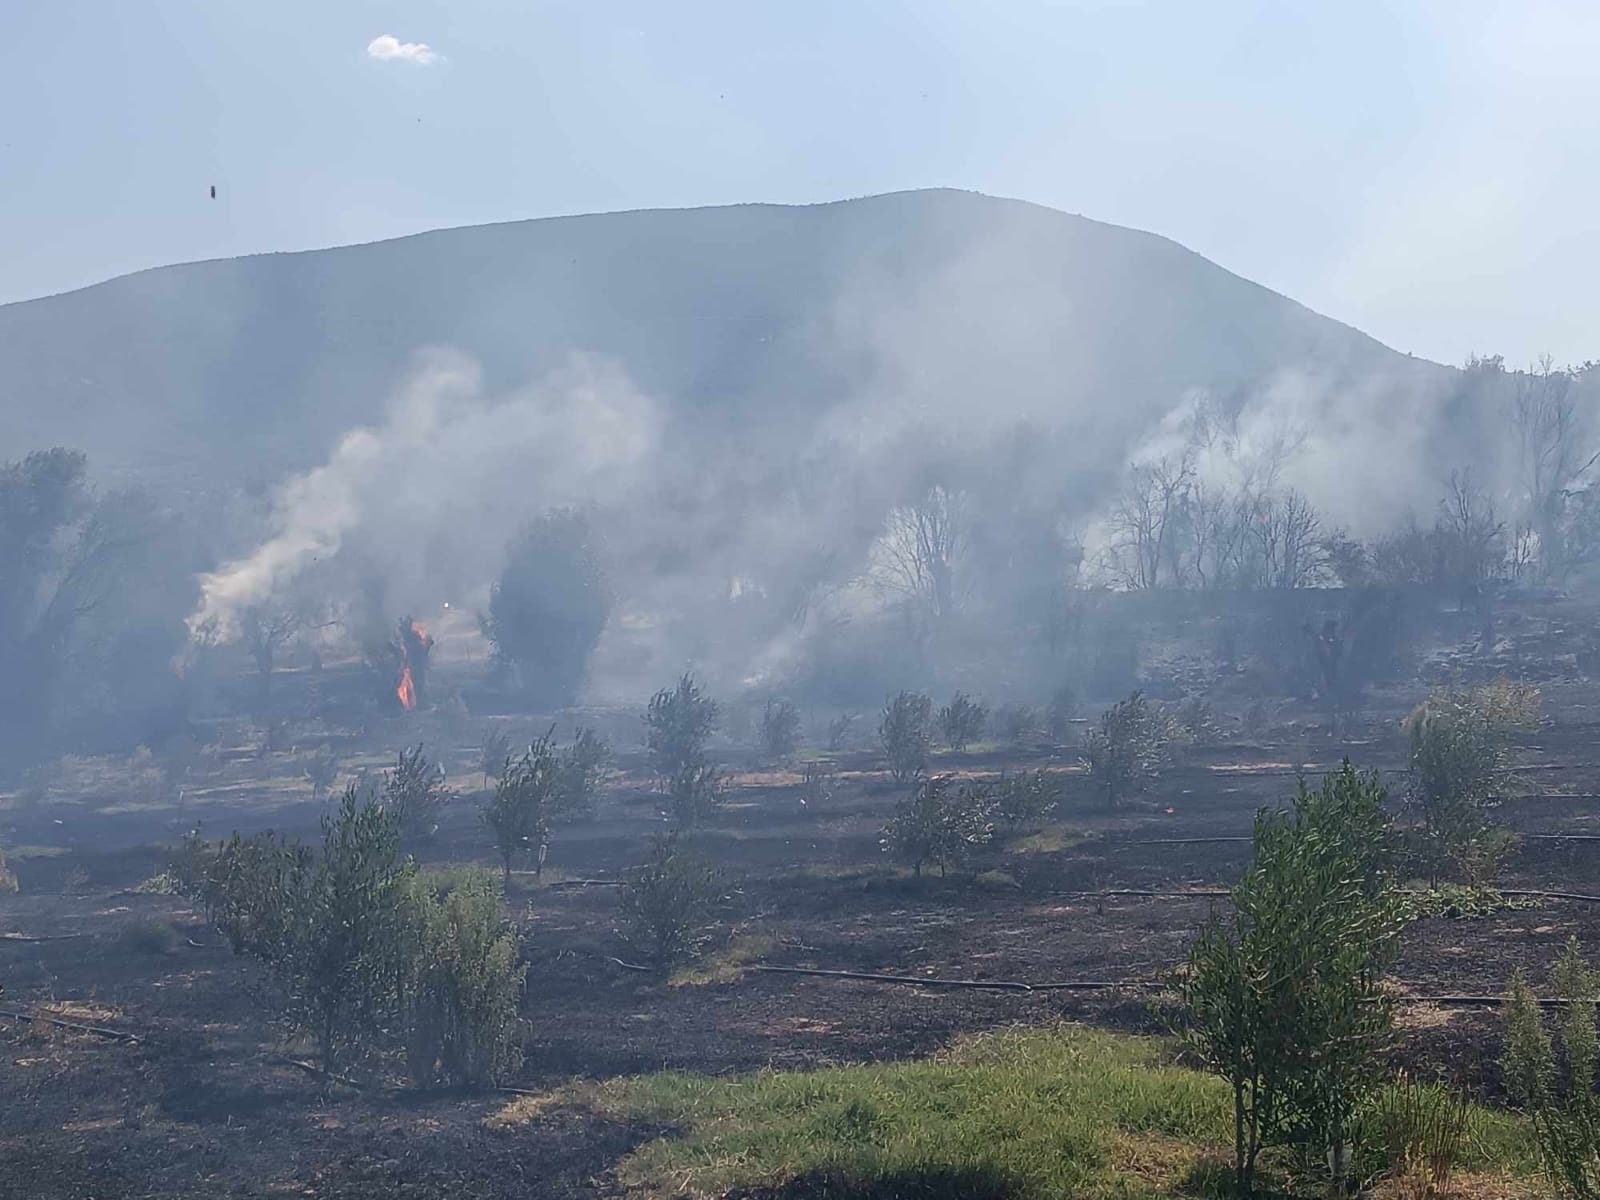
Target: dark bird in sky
{"x": 213, "y": 191}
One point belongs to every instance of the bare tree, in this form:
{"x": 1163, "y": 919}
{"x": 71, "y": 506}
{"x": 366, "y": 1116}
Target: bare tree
{"x": 1553, "y": 452}
{"x": 921, "y": 549}
{"x": 264, "y": 631}
{"x": 1147, "y": 521}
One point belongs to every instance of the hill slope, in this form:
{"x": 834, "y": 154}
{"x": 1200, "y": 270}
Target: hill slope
{"x": 762, "y": 315}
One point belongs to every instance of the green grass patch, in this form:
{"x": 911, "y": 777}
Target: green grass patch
{"x": 725, "y": 965}
{"x": 1017, "y": 1113}
{"x": 1050, "y": 840}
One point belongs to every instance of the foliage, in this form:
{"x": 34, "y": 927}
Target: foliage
{"x": 518, "y": 813}
{"x": 780, "y": 730}
{"x": 1283, "y": 1000}
{"x": 839, "y": 729}
{"x": 1419, "y": 1131}
{"x": 415, "y": 793}
{"x": 694, "y": 792}
{"x": 1026, "y": 1114}
{"x": 1193, "y": 723}
{"x": 459, "y": 1005}
{"x": 903, "y": 733}
{"x": 549, "y": 607}
{"x": 493, "y": 753}
{"x": 1127, "y": 750}
{"x": 579, "y": 770}
{"x": 1015, "y": 723}
{"x": 668, "y": 902}
{"x": 678, "y": 724}
{"x": 962, "y": 721}
{"x": 1558, "y": 1091}
{"x": 321, "y": 770}
{"x": 940, "y": 823}
{"x": 816, "y": 783}
{"x": 1459, "y": 756}
{"x": 1058, "y": 716}
{"x": 1023, "y": 798}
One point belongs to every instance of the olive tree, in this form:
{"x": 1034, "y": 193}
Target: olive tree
{"x": 903, "y": 733}
{"x": 1127, "y": 750}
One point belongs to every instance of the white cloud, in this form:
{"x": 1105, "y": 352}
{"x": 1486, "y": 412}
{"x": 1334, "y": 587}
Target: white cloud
{"x": 387, "y": 47}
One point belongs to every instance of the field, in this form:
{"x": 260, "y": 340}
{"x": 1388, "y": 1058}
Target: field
{"x": 186, "y": 1087}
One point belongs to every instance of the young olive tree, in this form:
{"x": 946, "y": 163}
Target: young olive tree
{"x": 678, "y": 724}
{"x": 903, "y": 733}
{"x": 1460, "y": 752}
{"x": 1284, "y": 999}
{"x": 518, "y": 813}
{"x": 415, "y": 793}
{"x": 780, "y": 730}
{"x": 668, "y": 902}
{"x": 962, "y": 721}
{"x": 1023, "y": 798}
{"x": 1127, "y": 750}
{"x": 940, "y": 823}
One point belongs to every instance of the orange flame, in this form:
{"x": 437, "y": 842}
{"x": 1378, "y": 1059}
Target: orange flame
{"x": 407, "y": 691}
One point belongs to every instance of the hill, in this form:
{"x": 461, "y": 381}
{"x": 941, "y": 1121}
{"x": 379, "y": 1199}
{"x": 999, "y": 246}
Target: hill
{"x": 939, "y": 302}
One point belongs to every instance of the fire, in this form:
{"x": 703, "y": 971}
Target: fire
{"x": 414, "y": 644}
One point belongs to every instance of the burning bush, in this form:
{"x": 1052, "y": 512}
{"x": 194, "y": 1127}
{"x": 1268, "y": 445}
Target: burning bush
{"x": 548, "y": 608}
{"x": 413, "y": 646}
{"x": 903, "y": 732}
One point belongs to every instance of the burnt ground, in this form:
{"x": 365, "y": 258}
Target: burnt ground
{"x": 202, "y": 1104}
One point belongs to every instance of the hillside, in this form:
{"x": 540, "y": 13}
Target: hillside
{"x": 764, "y": 315}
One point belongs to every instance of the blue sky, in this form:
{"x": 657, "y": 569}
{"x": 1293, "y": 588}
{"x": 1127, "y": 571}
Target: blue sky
{"x": 1428, "y": 171}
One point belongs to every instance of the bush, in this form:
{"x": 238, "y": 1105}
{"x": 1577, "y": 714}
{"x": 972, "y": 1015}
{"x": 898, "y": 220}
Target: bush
{"x": 1558, "y": 1092}
{"x": 780, "y": 730}
{"x": 518, "y": 813}
{"x": 1419, "y": 1133}
{"x": 839, "y": 730}
{"x": 1127, "y": 750}
{"x": 493, "y": 754}
{"x": 548, "y": 608}
{"x": 1460, "y": 752}
{"x": 321, "y": 770}
{"x": 1024, "y": 798}
{"x": 816, "y": 783}
{"x": 581, "y": 766}
{"x": 415, "y": 793}
{"x": 678, "y": 724}
{"x": 668, "y": 902}
{"x": 1283, "y": 1001}
{"x": 940, "y": 823}
{"x": 1058, "y": 716}
{"x": 464, "y": 985}
{"x": 962, "y": 721}
{"x": 694, "y": 793}
{"x": 1016, "y": 724}
{"x": 903, "y": 732}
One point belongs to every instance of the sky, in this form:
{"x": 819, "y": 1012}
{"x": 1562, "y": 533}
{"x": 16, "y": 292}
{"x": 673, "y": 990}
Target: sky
{"x": 1425, "y": 170}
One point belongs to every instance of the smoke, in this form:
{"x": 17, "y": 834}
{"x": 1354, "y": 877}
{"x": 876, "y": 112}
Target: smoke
{"x": 427, "y": 500}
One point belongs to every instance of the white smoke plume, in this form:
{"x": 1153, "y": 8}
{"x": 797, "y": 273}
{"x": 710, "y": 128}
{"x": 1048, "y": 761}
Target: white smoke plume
{"x": 428, "y": 499}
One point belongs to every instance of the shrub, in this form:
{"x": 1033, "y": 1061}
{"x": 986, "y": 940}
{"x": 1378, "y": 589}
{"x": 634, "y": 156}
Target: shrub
{"x": 1193, "y": 722}
{"x": 1559, "y": 1097}
{"x": 940, "y": 823}
{"x": 493, "y": 753}
{"x": 518, "y": 813}
{"x": 780, "y": 730}
{"x": 548, "y": 608}
{"x": 414, "y": 792}
{"x": 321, "y": 770}
{"x": 816, "y": 783}
{"x": 1420, "y": 1132}
{"x": 463, "y": 985}
{"x": 903, "y": 732}
{"x": 1283, "y": 1000}
{"x": 1015, "y": 724}
{"x": 1460, "y": 752}
{"x": 962, "y": 721}
{"x": 668, "y": 902}
{"x": 1058, "y": 716}
{"x": 1127, "y": 750}
{"x": 694, "y": 793}
{"x": 1019, "y": 799}
{"x": 579, "y": 771}
{"x": 839, "y": 729}
{"x": 678, "y": 724}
